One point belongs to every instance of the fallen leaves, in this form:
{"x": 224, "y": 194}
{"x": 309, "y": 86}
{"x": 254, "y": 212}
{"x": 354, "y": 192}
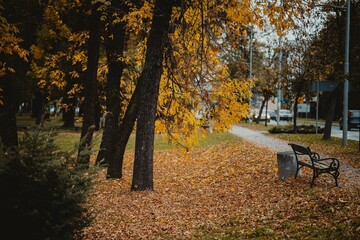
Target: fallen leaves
{"x": 229, "y": 190}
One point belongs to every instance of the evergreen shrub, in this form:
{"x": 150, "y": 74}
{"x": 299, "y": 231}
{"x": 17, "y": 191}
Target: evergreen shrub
{"x": 42, "y": 191}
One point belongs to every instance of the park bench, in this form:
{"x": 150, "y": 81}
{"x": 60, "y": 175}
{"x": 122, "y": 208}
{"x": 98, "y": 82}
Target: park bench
{"x": 306, "y": 158}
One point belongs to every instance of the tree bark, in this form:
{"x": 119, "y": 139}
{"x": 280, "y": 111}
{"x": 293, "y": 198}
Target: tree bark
{"x": 260, "y": 112}
{"x": 330, "y": 113}
{"x": 295, "y": 112}
{"x": 90, "y": 90}
{"x": 8, "y": 128}
{"x": 266, "y": 112}
{"x": 124, "y": 132}
{"x": 68, "y": 116}
{"x": 38, "y": 107}
{"x": 114, "y": 46}
{"x": 153, "y": 65}
{"x": 97, "y": 113}
{"x": 144, "y": 147}
{"x": 68, "y": 111}
{"x": 335, "y": 94}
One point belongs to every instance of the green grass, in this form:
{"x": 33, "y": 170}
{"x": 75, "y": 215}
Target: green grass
{"x": 24, "y": 120}
{"x": 162, "y": 143}
{"x": 68, "y": 139}
{"x": 218, "y": 138}
{"x": 257, "y": 127}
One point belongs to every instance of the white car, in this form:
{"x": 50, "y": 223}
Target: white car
{"x": 272, "y": 114}
{"x": 285, "y": 115}
{"x": 263, "y": 117}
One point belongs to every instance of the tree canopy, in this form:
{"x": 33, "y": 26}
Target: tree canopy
{"x": 109, "y": 58}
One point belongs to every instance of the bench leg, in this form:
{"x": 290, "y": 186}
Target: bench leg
{"x": 336, "y": 175}
{"x": 297, "y": 170}
{"x": 315, "y": 175}
{"x": 312, "y": 184}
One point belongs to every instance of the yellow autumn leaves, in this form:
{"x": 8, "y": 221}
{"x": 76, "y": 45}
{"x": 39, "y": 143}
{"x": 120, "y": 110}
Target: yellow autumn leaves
{"x": 9, "y": 45}
{"x": 195, "y": 76}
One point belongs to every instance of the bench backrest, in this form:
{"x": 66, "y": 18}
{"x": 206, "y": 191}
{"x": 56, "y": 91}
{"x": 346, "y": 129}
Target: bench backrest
{"x": 300, "y": 150}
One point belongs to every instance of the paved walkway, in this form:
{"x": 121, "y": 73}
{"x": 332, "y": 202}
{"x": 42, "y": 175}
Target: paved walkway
{"x": 279, "y": 146}
{"x": 259, "y": 138}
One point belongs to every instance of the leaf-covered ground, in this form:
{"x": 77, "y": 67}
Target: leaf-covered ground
{"x": 227, "y": 191}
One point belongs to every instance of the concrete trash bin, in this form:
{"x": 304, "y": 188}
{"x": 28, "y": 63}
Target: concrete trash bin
{"x": 286, "y": 164}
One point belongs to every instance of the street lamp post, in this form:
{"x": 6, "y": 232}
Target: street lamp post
{"x": 346, "y": 73}
{"x": 279, "y": 87}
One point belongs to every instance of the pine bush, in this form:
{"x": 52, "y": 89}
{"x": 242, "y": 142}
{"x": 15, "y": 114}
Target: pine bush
{"x": 43, "y": 191}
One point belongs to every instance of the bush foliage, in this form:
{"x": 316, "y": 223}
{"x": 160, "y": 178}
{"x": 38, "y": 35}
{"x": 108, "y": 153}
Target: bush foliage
{"x": 306, "y": 129}
{"x": 43, "y": 192}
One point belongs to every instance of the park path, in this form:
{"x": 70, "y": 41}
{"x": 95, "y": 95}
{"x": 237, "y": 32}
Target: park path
{"x": 258, "y": 137}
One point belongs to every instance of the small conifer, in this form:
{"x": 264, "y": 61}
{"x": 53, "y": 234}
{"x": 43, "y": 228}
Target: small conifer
{"x": 43, "y": 191}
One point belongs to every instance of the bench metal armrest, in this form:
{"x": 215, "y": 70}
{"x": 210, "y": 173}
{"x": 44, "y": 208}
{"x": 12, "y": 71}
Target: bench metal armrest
{"x": 315, "y": 155}
{"x": 333, "y": 164}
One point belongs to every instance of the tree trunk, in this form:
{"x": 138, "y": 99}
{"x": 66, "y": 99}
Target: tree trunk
{"x": 144, "y": 147}
{"x": 114, "y": 50}
{"x": 154, "y": 57}
{"x": 97, "y": 113}
{"x": 68, "y": 112}
{"x": 124, "y": 132}
{"x": 330, "y": 114}
{"x": 90, "y": 90}
{"x": 296, "y": 112}
{"x": 38, "y": 107}
{"x": 8, "y": 129}
{"x": 266, "y": 112}
{"x": 260, "y": 112}
{"x": 68, "y": 116}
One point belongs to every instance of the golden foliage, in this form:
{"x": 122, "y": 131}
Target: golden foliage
{"x": 196, "y": 78}
{"x": 9, "y": 45}
{"x": 137, "y": 18}
{"x": 58, "y": 56}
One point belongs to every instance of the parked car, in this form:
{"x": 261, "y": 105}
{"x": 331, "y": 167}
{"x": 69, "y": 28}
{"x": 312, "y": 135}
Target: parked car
{"x": 263, "y": 117}
{"x": 353, "y": 120}
{"x": 272, "y": 114}
{"x": 285, "y": 115}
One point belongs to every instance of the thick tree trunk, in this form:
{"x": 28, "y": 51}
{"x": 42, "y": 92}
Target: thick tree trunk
{"x": 90, "y": 90}
{"x": 8, "y": 129}
{"x": 154, "y": 57}
{"x": 330, "y": 114}
{"x": 114, "y": 50}
{"x": 144, "y": 147}
{"x": 117, "y": 154}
